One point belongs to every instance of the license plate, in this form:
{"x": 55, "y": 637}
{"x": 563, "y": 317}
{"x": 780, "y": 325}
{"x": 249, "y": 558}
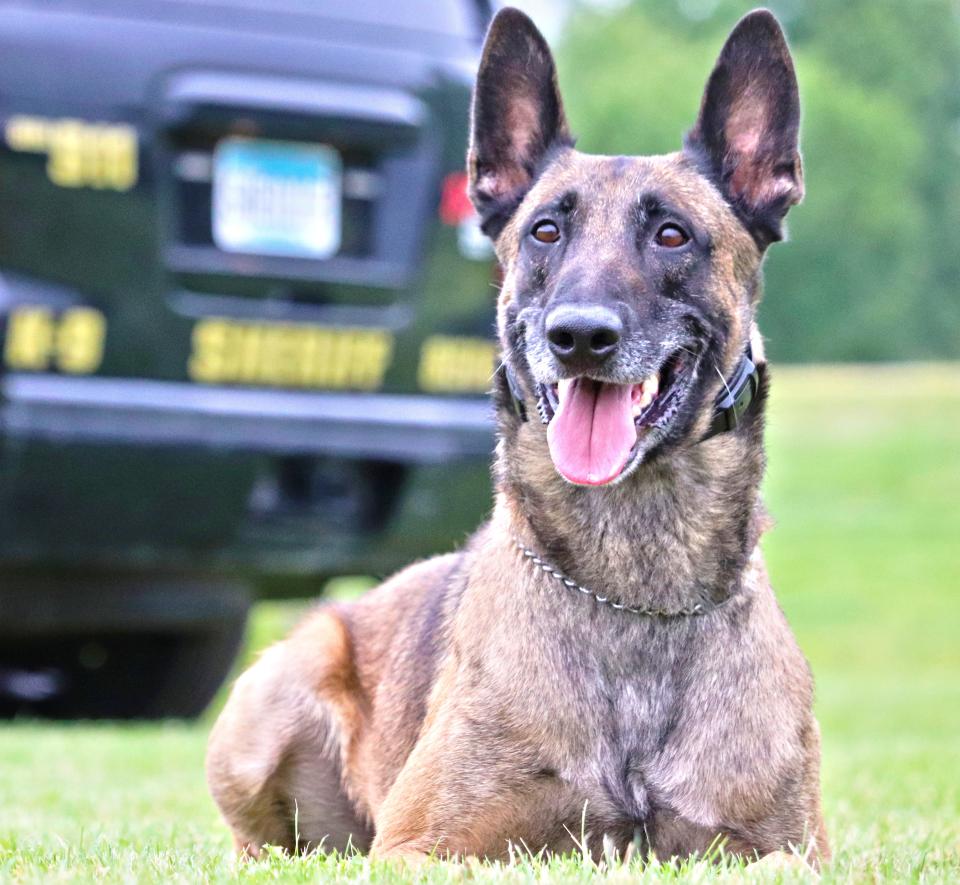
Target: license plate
{"x": 276, "y": 198}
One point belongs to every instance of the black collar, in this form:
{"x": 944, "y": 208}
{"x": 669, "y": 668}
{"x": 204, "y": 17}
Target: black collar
{"x": 729, "y": 407}
{"x": 736, "y": 396}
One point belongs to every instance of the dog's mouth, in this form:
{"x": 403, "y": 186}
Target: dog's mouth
{"x": 597, "y": 431}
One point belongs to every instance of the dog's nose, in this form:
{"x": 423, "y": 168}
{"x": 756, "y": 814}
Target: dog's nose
{"x": 583, "y": 334}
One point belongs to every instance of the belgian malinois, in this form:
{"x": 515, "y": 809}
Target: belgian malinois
{"x": 604, "y": 664}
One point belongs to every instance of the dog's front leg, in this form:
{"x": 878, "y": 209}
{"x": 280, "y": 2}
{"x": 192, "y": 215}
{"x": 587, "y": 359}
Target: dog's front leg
{"x": 468, "y": 789}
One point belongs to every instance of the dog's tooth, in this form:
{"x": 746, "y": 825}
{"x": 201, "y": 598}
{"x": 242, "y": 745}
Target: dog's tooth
{"x": 646, "y": 397}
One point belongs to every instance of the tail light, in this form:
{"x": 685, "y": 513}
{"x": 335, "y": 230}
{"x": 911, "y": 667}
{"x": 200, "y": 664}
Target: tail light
{"x": 455, "y": 205}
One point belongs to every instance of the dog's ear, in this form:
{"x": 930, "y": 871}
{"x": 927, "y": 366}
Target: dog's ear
{"x": 748, "y": 129}
{"x": 516, "y": 118}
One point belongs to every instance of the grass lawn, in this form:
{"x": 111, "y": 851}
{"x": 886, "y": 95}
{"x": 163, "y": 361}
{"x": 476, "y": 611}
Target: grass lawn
{"x": 864, "y": 482}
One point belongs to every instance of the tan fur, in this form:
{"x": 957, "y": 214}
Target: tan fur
{"x": 434, "y": 786}
{"x": 474, "y": 701}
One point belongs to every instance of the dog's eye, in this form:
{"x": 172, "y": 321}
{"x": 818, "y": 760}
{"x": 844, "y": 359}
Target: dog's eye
{"x": 672, "y": 236}
{"x": 545, "y": 232}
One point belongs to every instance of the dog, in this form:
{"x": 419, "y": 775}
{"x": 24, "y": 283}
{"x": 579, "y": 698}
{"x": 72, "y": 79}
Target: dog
{"x": 603, "y": 667}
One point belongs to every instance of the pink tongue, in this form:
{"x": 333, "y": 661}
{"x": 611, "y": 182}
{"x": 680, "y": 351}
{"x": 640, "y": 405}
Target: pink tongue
{"x": 592, "y": 433}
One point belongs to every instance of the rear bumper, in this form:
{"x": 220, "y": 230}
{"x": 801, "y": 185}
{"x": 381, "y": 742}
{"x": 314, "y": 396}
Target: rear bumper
{"x": 393, "y": 427}
{"x": 144, "y": 476}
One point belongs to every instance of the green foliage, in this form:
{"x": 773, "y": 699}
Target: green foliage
{"x": 873, "y": 268}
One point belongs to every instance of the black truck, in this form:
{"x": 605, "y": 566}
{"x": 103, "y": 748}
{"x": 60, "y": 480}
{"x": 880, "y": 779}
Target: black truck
{"x": 246, "y": 326}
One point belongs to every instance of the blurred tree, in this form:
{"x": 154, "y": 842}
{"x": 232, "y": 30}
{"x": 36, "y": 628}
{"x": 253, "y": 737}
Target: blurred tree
{"x": 874, "y": 268}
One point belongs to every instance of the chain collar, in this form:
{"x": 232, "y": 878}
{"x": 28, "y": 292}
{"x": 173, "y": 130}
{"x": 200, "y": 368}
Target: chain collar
{"x": 698, "y": 608}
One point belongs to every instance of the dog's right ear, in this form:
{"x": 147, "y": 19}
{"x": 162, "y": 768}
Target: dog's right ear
{"x": 516, "y": 118}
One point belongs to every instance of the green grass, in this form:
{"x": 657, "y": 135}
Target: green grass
{"x": 864, "y": 483}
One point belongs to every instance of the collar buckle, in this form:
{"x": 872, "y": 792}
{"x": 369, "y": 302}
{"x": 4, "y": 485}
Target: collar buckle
{"x": 735, "y": 398}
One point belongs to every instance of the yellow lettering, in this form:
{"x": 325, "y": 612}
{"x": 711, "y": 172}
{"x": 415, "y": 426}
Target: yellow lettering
{"x": 118, "y": 152}
{"x": 65, "y": 155}
{"x": 285, "y": 355}
{"x": 208, "y": 359}
{"x": 29, "y": 342}
{"x": 456, "y": 364}
{"x": 26, "y": 134}
{"x": 79, "y": 154}
{"x": 80, "y": 340}
{"x": 378, "y": 351}
{"x": 38, "y": 340}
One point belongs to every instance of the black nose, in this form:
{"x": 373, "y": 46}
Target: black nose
{"x": 584, "y": 335}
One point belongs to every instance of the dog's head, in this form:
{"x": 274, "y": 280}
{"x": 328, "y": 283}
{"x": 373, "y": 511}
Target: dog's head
{"x": 630, "y": 283}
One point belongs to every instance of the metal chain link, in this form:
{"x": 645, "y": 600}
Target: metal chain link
{"x": 649, "y": 612}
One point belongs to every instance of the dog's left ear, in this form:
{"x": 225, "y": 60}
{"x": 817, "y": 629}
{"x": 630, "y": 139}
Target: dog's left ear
{"x": 516, "y": 118}
{"x": 748, "y": 128}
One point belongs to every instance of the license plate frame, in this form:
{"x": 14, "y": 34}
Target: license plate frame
{"x": 277, "y": 198}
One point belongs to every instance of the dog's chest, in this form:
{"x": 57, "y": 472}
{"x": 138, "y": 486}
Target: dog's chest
{"x": 628, "y": 722}
{"x": 629, "y": 764}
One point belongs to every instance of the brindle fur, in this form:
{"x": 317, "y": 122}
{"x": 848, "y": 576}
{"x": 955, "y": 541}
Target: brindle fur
{"x": 471, "y": 701}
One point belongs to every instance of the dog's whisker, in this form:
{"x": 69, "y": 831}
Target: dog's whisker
{"x": 724, "y": 380}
